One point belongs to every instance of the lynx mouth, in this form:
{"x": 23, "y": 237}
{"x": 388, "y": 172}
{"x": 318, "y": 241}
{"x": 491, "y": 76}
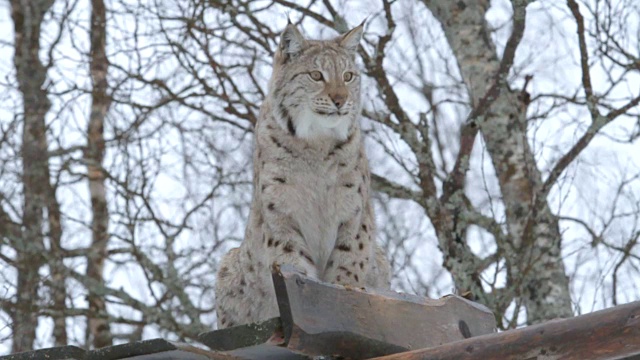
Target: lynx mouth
{"x": 330, "y": 113}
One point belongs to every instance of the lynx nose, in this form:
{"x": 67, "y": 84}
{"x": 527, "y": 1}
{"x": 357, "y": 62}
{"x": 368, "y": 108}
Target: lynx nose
{"x": 338, "y": 99}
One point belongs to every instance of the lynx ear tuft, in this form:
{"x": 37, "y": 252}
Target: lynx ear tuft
{"x": 291, "y": 42}
{"x": 351, "y": 39}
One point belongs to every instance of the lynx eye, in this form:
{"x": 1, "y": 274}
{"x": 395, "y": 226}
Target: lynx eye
{"x": 316, "y": 76}
{"x": 348, "y": 76}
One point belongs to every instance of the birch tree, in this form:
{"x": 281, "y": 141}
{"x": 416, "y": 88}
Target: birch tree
{"x": 97, "y": 323}
{"x": 40, "y": 205}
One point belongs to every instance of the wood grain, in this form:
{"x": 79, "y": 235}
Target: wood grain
{"x": 324, "y": 319}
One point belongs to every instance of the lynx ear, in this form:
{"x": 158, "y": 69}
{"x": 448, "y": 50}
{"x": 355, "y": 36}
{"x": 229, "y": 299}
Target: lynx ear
{"x": 291, "y": 42}
{"x": 351, "y": 39}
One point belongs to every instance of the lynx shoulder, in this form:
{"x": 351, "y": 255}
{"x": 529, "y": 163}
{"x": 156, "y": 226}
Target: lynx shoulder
{"x": 311, "y": 204}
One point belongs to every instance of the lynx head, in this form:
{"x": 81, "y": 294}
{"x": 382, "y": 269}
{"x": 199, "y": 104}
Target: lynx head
{"x": 315, "y": 86}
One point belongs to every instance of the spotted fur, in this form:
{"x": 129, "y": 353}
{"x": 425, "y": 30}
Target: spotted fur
{"x": 311, "y": 205}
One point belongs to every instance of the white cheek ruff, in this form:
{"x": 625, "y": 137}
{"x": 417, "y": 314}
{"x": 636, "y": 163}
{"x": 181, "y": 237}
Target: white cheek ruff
{"x": 311, "y": 125}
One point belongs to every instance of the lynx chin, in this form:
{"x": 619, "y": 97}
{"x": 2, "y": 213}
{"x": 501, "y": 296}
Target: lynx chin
{"x": 311, "y": 206}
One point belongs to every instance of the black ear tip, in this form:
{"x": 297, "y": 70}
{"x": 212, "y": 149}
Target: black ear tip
{"x": 290, "y": 28}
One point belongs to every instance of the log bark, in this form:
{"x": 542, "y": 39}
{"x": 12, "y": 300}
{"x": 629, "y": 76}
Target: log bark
{"x": 321, "y": 319}
{"x": 325, "y": 319}
{"x": 607, "y": 334}
{"x": 98, "y": 324}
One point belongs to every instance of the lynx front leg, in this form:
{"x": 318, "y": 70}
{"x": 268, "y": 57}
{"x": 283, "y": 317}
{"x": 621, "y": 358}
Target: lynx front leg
{"x": 285, "y": 245}
{"x": 281, "y": 234}
{"x": 350, "y": 261}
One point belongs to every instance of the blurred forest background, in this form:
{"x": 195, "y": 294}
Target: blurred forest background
{"x": 503, "y": 137}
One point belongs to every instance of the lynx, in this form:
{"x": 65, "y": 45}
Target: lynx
{"x": 310, "y": 205}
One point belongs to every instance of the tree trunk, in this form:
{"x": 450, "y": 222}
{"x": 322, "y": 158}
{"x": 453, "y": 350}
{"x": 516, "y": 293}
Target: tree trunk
{"x": 98, "y": 324}
{"x": 31, "y": 75}
{"x": 532, "y": 251}
{"x": 57, "y": 268}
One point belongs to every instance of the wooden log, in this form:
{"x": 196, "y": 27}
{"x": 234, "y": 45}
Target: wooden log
{"x": 263, "y": 340}
{"x": 58, "y": 353}
{"x": 602, "y": 335}
{"x": 324, "y": 319}
{"x": 155, "y": 349}
{"x": 320, "y": 319}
